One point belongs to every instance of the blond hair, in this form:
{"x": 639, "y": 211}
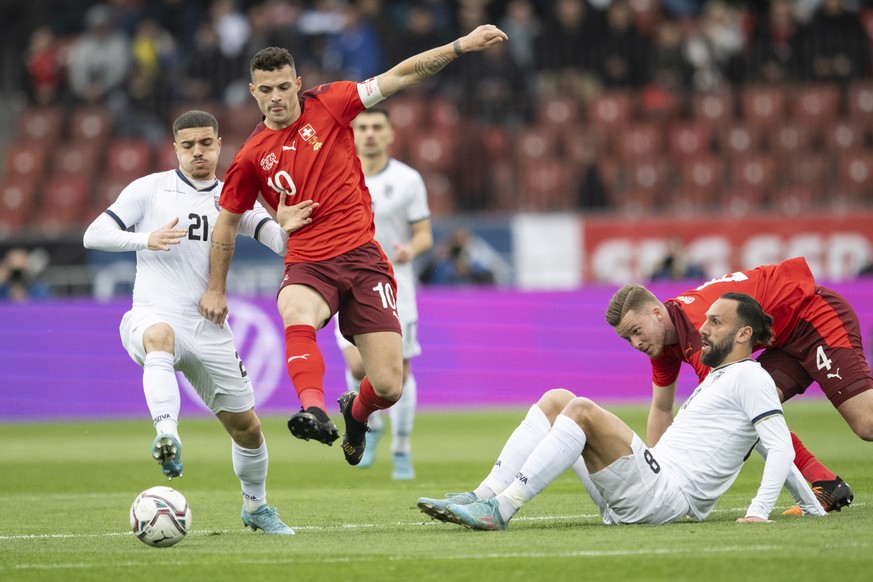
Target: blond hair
{"x": 629, "y": 298}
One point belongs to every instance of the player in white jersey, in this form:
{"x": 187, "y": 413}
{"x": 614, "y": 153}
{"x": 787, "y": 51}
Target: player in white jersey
{"x": 403, "y": 229}
{"x": 692, "y": 465}
{"x": 171, "y": 214}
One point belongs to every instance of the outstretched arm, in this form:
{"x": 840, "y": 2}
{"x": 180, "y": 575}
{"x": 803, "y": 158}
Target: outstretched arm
{"x": 431, "y": 62}
{"x": 213, "y": 304}
{"x": 660, "y": 413}
{"x": 104, "y": 234}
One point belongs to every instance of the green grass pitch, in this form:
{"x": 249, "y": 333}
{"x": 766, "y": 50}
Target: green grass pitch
{"x": 66, "y": 490}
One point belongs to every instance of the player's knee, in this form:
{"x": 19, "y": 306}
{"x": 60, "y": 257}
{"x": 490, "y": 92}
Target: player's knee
{"x": 357, "y": 371}
{"x": 580, "y": 409}
{"x": 864, "y": 429}
{"x": 159, "y": 337}
{"x": 554, "y": 401}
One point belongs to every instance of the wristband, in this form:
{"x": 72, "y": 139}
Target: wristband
{"x": 457, "y": 46}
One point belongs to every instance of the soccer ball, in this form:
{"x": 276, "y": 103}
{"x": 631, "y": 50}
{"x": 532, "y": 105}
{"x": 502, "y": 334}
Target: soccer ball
{"x": 160, "y": 517}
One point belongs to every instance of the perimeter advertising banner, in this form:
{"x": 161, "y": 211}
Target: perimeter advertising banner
{"x": 482, "y": 348}
{"x": 616, "y": 250}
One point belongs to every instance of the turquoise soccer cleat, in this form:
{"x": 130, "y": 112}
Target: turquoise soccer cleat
{"x": 266, "y": 519}
{"x": 438, "y": 508}
{"x": 167, "y": 450}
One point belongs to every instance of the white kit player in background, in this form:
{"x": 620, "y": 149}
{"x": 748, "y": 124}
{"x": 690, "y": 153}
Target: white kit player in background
{"x": 693, "y": 464}
{"x": 403, "y": 229}
{"x": 167, "y": 219}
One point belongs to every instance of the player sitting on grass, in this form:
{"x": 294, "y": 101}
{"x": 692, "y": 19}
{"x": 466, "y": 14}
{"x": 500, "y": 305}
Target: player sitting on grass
{"x": 692, "y": 465}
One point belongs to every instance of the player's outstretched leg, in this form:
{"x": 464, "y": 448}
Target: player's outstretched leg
{"x": 167, "y": 451}
{"x": 265, "y": 518}
{"x": 439, "y": 508}
{"x": 313, "y": 424}
{"x": 354, "y": 439}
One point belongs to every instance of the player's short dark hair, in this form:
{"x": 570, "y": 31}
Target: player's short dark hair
{"x": 271, "y": 58}
{"x": 194, "y": 118}
{"x": 376, "y": 111}
{"x": 750, "y": 313}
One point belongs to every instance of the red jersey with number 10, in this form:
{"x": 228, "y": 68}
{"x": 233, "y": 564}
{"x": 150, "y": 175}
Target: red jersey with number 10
{"x": 312, "y": 159}
{"x": 783, "y": 290}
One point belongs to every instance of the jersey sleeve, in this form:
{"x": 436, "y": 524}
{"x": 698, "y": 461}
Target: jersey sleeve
{"x": 241, "y": 186}
{"x": 665, "y": 369}
{"x": 130, "y": 206}
{"x": 259, "y": 225}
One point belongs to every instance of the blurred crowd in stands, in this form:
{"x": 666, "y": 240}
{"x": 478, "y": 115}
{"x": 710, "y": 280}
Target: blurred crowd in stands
{"x": 630, "y": 106}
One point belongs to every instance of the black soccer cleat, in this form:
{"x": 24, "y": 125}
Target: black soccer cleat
{"x": 355, "y": 437}
{"x": 313, "y": 424}
{"x": 833, "y": 495}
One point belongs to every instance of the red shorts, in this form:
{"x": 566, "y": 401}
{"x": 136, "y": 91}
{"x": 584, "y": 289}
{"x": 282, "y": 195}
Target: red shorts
{"x": 824, "y": 347}
{"x": 358, "y": 284}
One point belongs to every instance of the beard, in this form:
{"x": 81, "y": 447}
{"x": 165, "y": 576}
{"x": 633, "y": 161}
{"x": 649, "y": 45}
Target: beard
{"x": 717, "y": 352}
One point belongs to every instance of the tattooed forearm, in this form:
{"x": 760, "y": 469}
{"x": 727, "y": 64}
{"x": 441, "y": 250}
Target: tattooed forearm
{"x": 430, "y": 66}
{"x": 223, "y": 247}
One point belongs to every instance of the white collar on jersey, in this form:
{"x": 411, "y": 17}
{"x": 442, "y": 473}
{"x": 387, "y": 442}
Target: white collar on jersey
{"x": 199, "y": 185}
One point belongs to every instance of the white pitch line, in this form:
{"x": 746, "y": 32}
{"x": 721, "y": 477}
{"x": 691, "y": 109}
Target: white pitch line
{"x": 346, "y": 526}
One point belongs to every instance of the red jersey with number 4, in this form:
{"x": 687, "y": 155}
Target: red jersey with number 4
{"x": 312, "y": 159}
{"x": 784, "y": 290}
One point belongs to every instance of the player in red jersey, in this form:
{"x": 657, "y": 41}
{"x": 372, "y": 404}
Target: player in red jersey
{"x": 816, "y": 337}
{"x": 304, "y": 150}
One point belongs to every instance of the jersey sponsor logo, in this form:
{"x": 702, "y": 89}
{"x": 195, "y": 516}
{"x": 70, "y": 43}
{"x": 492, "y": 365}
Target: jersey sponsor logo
{"x": 835, "y": 375}
{"x": 292, "y": 147}
{"x": 685, "y": 299}
{"x": 307, "y": 132}
{"x": 300, "y": 357}
{"x": 269, "y": 161}
{"x": 215, "y": 198}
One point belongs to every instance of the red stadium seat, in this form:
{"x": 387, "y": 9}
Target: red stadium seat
{"x": 611, "y": 110}
{"x": 557, "y": 111}
{"x": 793, "y": 200}
{"x": 739, "y": 201}
{"x": 41, "y": 124}
{"x": 432, "y": 151}
{"x": 843, "y": 135}
{"x": 535, "y": 143}
{"x": 860, "y": 102}
{"x": 791, "y": 137}
{"x": 76, "y": 159}
{"x": 443, "y": 113}
{"x": 63, "y": 206}
{"x": 816, "y": 105}
{"x": 763, "y": 105}
{"x": 26, "y": 160}
{"x": 90, "y": 123}
{"x": 639, "y": 140}
{"x": 687, "y": 202}
{"x": 129, "y": 158}
{"x": 740, "y": 139}
{"x": 753, "y": 172}
{"x": 702, "y": 174}
{"x": 689, "y": 139}
{"x": 16, "y": 203}
{"x": 855, "y": 173}
{"x": 545, "y": 186}
{"x": 715, "y": 108}
{"x": 807, "y": 169}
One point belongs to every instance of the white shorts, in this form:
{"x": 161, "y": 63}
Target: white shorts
{"x": 411, "y": 347}
{"x": 638, "y": 489}
{"x": 204, "y": 353}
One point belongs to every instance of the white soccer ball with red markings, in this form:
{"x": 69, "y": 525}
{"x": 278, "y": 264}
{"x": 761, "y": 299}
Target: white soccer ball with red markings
{"x": 160, "y": 517}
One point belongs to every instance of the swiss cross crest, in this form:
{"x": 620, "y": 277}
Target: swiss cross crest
{"x": 269, "y": 161}
{"x": 308, "y": 134}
